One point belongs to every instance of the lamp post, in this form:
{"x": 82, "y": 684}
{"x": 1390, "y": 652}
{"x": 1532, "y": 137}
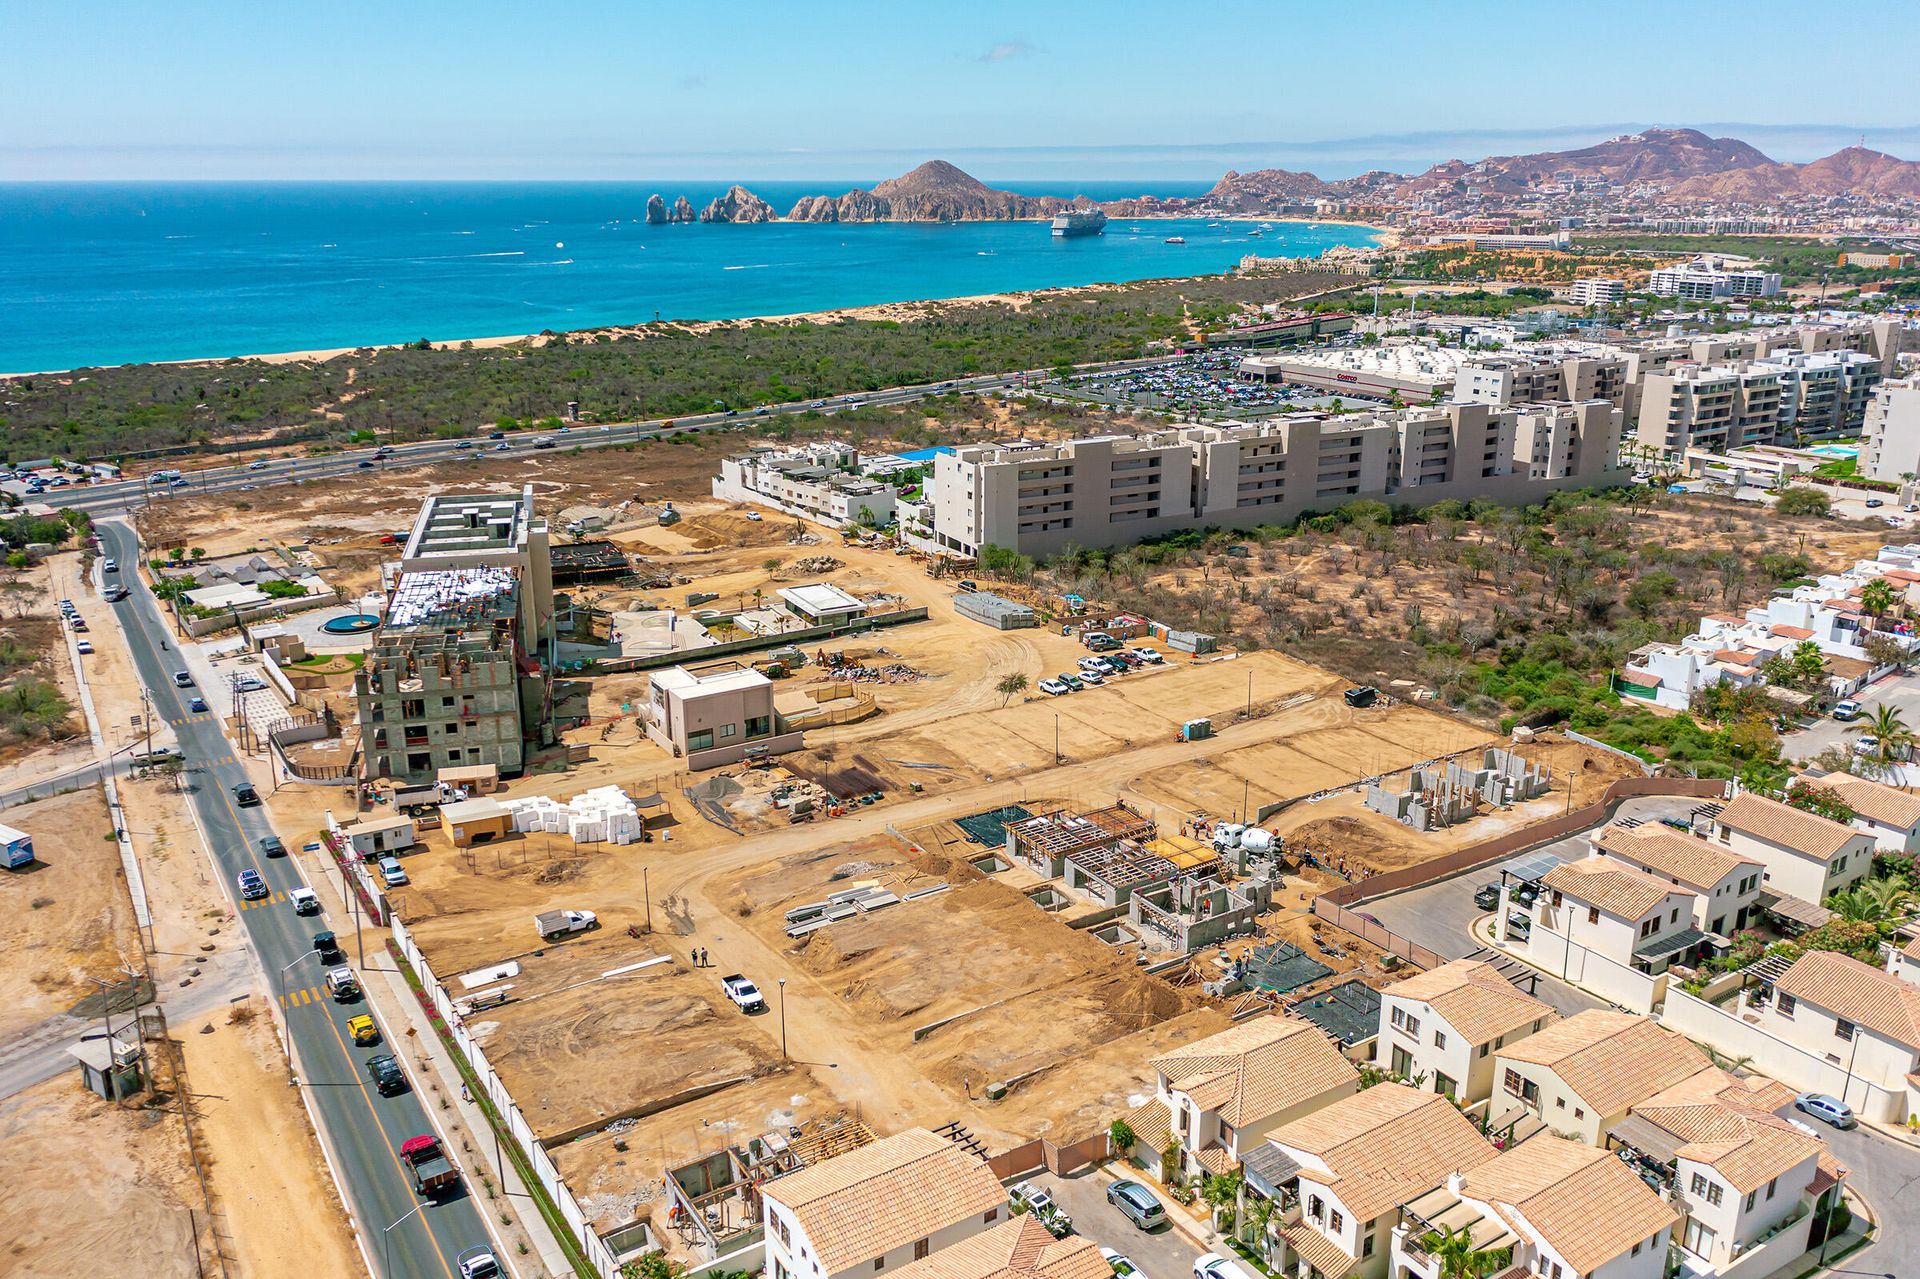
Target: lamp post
{"x": 783, "y": 1020}
{"x": 286, "y": 1032}
{"x": 386, "y": 1239}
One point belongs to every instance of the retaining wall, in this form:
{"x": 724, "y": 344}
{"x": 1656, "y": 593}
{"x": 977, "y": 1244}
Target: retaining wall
{"x": 696, "y": 656}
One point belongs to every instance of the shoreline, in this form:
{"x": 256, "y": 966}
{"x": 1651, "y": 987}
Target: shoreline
{"x": 1016, "y": 299}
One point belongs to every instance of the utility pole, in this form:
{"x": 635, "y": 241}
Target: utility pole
{"x": 646, "y": 891}
{"x": 1249, "y": 714}
{"x": 783, "y": 1020}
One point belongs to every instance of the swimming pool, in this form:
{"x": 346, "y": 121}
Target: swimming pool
{"x": 1850, "y": 451}
{"x": 925, "y": 455}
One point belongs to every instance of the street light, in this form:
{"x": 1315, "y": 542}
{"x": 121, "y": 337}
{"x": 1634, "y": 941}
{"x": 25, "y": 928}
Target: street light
{"x": 386, "y": 1240}
{"x": 783, "y": 1019}
{"x": 286, "y": 1032}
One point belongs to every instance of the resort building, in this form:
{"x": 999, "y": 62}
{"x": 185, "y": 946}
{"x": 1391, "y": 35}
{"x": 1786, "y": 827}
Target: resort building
{"x": 1806, "y": 855}
{"x": 716, "y": 714}
{"x": 1440, "y": 1029}
{"x": 884, "y": 1205}
{"x": 1725, "y": 885}
{"x": 1890, "y": 444}
{"x": 1702, "y": 280}
{"x": 1539, "y": 374}
{"x": 1224, "y": 1093}
{"x": 820, "y": 481}
{"x": 1598, "y": 292}
{"x": 1581, "y": 1076}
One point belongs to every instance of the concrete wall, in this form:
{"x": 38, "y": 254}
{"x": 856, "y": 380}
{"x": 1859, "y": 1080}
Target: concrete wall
{"x": 1593, "y": 971}
{"x": 1789, "y": 1063}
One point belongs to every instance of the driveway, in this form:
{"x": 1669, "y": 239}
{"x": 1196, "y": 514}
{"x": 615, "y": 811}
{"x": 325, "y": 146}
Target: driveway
{"x": 1162, "y": 1253}
{"x": 1438, "y": 915}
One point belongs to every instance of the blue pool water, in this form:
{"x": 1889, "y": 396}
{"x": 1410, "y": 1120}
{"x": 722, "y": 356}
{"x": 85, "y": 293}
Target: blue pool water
{"x": 97, "y": 273}
{"x": 1835, "y": 450}
{"x": 925, "y": 455}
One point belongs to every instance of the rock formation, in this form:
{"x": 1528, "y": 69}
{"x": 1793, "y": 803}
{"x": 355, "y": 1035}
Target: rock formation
{"x": 1856, "y": 171}
{"x": 934, "y": 192}
{"x": 738, "y": 205}
{"x": 656, "y": 211}
{"x": 682, "y": 210}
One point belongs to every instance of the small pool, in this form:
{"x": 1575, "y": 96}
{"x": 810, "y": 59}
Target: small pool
{"x": 1835, "y": 450}
{"x": 351, "y": 624}
{"x": 925, "y": 455}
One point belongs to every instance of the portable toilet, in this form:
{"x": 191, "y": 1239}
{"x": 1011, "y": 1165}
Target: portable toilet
{"x": 1195, "y": 730}
{"x": 16, "y": 848}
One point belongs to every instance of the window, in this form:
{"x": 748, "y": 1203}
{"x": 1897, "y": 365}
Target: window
{"x": 1698, "y": 1239}
{"x": 1637, "y": 1247}
{"x": 1839, "y": 865}
{"x": 1726, "y": 835}
{"x": 1511, "y": 1081}
{"x": 700, "y": 741}
{"x": 1842, "y": 1028}
{"x": 780, "y": 1228}
{"x": 1593, "y": 914}
{"x": 1698, "y": 1185}
{"x": 1715, "y": 1192}
{"x": 920, "y": 1249}
{"x": 1579, "y": 1112}
{"x": 1648, "y": 927}
{"x": 1484, "y": 1048}
{"x": 1335, "y": 1220}
{"x": 1366, "y": 1246}
{"x": 1439, "y": 1039}
{"x": 1315, "y": 1208}
{"x": 726, "y": 730}
{"x": 993, "y": 1215}
{"x": 1785, "y": 1004}
{"x": 1444, "y": 1084}
{"x": 779, "y": 1269}
{"x": 1753, "y": 1197}
{"x": 1772, "y": 1186}
{"x": 1559, "y": 1103}
{"x": 1673, "y": 916}
{"x": 879, "y": 1263}
{"x": 759, "y": 725}
{"x": 446, "y": 701}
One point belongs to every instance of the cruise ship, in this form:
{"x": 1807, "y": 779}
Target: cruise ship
{"x": 1080, "y": 222}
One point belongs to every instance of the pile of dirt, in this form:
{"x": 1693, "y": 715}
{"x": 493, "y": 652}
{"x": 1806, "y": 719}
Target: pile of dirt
{"x": 730, "y": 528}
{"x": 1334, "y": 837}
{"x": 814, "y": 565}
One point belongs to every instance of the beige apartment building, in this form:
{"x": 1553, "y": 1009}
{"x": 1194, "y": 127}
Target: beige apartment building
{"x": 1532, "y": 377}
{"x": 716, "y": 714}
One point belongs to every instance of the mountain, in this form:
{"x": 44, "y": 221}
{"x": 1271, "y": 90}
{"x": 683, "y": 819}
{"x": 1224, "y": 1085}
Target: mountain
{"x": 1852, "y": 171}
{"x": 934, "y": 192}
{"x": 1263, "y": 189}
{"x": 1657, "y": 156}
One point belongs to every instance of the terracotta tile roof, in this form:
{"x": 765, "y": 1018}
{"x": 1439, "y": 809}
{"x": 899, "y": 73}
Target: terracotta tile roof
{"x": 1695, "y": 862}
{"x": 1912, "y": 949}
{"x": 1610, "y": 884}
{"x": 1474, "y": 999}
{"x": 1792, "y": 632}
{"x": 1746, "y": 1147}
{"x": 1779, "y": 823}
{"x": 1322, "y": 1253}
{"x": 1257, "y": 1069}
{"x": 1586, "y": 1204}
{"x": 1863, "y": 995}
{"x": 1214, "y": 1159}
{"x": 1756, "y": 1092}
{"x": 859, "y": 1205}
{"x": 1735, "y": 657}
{"x": 1611, "y": 1060}
{"x": 1019, "y": 1248}
{"x": 1152, "y": 1126}
{"x": 1383, "y": 1146}
{"x": 1828, "y": 1172}
{"x": 1871, "y": 799}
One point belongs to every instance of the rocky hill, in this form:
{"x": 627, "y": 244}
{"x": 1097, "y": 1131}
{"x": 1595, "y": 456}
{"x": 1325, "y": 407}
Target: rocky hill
{"x": 934, "y": 192}
{"x": 1264, "y": 189}
{"x": 1852, "y": 171}
{"x": 1658, "y": 156}
{"x": 738, "y": 205}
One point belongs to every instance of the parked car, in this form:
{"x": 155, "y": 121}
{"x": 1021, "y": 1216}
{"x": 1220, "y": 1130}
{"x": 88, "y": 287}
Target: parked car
{"x": 1519, "y": 923}
{"x": 249, "y": 684}
{"x": 1071, "y": 680}
{"x": 745, "y": 995}
{"x": 1044, "y": 1209}
{"x": 1091, "y": 664}
{"x": 1527, "y": 894}
{"x": 388, "y": 1078}
{"x": 1211, "y": 1265}
{"x": 1122, "y": 1265}
{"x": 1874, "y": 504}
{"x": 1827, "y": 1109}
{"x": 1847, "y": 711}
{"x": 1137, "y": 1204}
{"x": 1487, "y": 897}
{"x": 1148, "y": 655}
{"x": 84, "y": 647}
{"x": 270, "y": 846}
{"x": 1054, "y": 688}
{"x": 1091, "y": 678}
{"x": 252, "y": 887}
{"x": 392, "y": 873}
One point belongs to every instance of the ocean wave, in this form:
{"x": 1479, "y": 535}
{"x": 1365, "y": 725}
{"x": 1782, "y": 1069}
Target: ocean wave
{"x": 754, "y": 266}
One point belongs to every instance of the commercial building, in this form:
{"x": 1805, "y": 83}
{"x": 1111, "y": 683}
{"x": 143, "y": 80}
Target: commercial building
{"x": 1597, "y": 292}
{"x": 1224, "y": 1093}
{"x": 716, "y": 715}
{"x": 818, "y": 481}
{"x": 1445, "y": 1025}
{"x": 1392, "y": 370}
{"x": 882, "y": 1206}
{"x": 1890, "y": 443}
{"x": 1112, "y": 490}
{"x": 1703, "y": 281}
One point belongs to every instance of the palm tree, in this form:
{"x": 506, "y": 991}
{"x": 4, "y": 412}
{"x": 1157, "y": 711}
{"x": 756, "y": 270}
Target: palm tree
{"x": 1877, "y": 599}
{"x": 1458, "y": 1258}
{"x": 1892, "y": 740}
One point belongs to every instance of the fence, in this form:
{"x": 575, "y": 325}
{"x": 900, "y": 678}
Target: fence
{"x": 1375, "y": 934}
{"x": 1041, "y": 1155}
{"x": 680, "y": 657}
{"x": 354, "y": 872}
{"x": 586, "y": 1239}
{"x": 1633, "y": 990}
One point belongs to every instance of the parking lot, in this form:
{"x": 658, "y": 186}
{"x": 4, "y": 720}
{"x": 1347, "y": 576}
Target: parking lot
{"x": 1438, "y": 915}
{"x": 1192, "y": 384}
{"x": 1162, "y": 1253}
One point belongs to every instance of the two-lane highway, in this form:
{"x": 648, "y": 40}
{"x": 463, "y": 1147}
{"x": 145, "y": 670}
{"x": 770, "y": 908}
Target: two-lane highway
{"x": 363, "y": 1129}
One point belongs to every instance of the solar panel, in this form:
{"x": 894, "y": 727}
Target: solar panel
{"x": 1533, "y": 866}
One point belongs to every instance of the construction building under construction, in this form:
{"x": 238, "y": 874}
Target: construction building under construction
{"x": 1455, "y": 792}
{"x": 454, "y": 678}
{"x": 713, "y": 1204}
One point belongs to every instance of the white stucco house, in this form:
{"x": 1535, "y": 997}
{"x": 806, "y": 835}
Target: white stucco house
{"x": 1806, "y": 856}
{"x": 1583, "y": 1074}
{"x": 1441, "y": 1028}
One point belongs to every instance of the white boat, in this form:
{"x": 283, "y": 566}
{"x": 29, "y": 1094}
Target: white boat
{"x": 1076, "y": 222}
{"x": 1176, "y": 239}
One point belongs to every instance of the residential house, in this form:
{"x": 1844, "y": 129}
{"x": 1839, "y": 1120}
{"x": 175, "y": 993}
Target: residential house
{"x": 1609, "y": 927}
{"x": 1443, "y": 1027}
{"x": 1862, "y": 1021}
{"x": 1890, "y": 815}
{"x": 1567, "y": 1211}
{"x": 1742, "y": 1178}
{"x": 1904, "y": 961}
{"x": 1725, "y": 884}
{"x": 717, "y": 714}
{"x": 1018, "y": 1248}
{"x": 1224, "y": 1093}
{"x": 1353, "y": 1163}
{"x": 1806, "y": 856}
{"x": 882, "y": 1206}
{"x": 1583, "y": 1074}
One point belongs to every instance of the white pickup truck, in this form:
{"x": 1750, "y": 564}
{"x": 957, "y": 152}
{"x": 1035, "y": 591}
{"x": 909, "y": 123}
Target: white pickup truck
{"x": 560, "y": 923}
{"x": 744, "y": 994}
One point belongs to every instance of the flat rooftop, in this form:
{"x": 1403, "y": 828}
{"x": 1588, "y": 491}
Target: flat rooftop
{"x": 452, "y": 599}
{"x": 818, "y": 598}
{"x": 719, "y": 677}
{"x": 1408, "y": 360}
{"x": 465, "y": 523}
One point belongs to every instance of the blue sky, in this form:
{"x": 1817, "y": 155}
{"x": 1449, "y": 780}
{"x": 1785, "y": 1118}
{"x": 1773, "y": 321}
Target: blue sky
{"x": 839, "y": 90}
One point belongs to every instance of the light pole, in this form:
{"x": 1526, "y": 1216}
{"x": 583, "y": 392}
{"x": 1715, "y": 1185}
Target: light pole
{"x": 386, "y": 1240}
{"x": 783, "y": 1020}
{"x": 286, "y": 1031}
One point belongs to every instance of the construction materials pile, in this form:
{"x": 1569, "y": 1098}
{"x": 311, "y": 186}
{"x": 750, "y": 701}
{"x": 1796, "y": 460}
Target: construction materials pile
{"x": 603, "y": 815}
{"x": 816, "y": 564}
{"x": 893, "y": 673}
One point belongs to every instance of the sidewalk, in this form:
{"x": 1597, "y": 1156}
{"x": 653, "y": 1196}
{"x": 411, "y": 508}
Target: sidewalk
{"x": 462, "y": 1124}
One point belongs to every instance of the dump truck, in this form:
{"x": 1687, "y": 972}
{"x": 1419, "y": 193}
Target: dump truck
{"x": 744, "y": 994}
{"x": 428, "y": 1165}
{"x": 554, "y": 924}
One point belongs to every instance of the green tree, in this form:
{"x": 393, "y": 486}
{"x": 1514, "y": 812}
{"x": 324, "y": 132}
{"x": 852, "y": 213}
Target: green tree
{"x": 1009, "y": 685}
{"x": 1820, "y": 800}
{"x": 1877, "y": 599}
{"x": 1650, "y": 591}
{"x": 1809, "y": 663}
{"x": 1170, "y": 1163}
{"x": 1454, "y": 1249}
{"x": 1124, "y": 1139}
{"x": 1803, "y": 501}
{"x": 1892, "y": 742}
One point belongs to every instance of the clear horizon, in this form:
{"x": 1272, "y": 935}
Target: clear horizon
{"x": 1126, "y": 92}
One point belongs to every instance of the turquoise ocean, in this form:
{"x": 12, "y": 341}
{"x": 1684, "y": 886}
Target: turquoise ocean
{"x": 96, "y": 273}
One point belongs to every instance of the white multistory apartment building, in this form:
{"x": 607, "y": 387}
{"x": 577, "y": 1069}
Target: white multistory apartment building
{"x": 1709, "y": 406}
{"x": 1598, "y": 292}
{"x": 1440, "y": 1029}
{"x": 1703, "y": 281}
{"x": 817, "y": 481}
{"x": 1547, "y": 373}
{"x": 1890, "y": 444}
{"x": 1823, "y": 393}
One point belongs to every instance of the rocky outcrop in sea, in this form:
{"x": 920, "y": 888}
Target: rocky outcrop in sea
{"x": 738, "y": 205}
{"x": 934, "y": 192}
{"x": 656, "y": 211}
{"x": 682, "y": 210}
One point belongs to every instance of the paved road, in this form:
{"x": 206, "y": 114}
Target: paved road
{"x": 1437, "y": 915}
{"x": 1902, "y": 693}
{"x": 1886, "y": 1172}
{"x": 1161, "y": 1253}
{"x": 102, "y": 499}
{"x": 363, "y": 1129}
